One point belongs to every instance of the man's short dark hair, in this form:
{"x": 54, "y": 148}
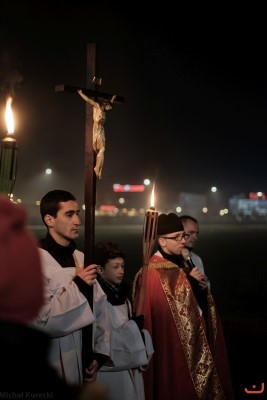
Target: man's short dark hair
{"x": 50, "y": 202}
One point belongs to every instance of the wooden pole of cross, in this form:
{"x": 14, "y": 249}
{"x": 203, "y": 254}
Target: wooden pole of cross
{"x": 92, "y": 91}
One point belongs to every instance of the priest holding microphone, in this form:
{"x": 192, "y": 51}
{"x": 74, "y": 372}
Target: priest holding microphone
{"x": 190, "y": 360}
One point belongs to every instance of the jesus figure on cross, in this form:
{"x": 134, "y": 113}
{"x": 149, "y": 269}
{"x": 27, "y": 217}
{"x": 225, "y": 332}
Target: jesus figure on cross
{"x": 99, "y": 116}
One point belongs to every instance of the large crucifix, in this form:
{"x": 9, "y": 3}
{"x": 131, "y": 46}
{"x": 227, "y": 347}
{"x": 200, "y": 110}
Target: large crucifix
{"x": 90, "y": 155}
{"x": 93, "y": 99}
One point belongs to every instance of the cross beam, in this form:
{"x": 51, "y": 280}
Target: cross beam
{"x": 90, "y": 93}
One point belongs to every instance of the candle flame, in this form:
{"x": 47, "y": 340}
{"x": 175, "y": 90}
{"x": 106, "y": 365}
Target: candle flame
{"x": 9, "y": 116}
{"x": 152, "y": 202}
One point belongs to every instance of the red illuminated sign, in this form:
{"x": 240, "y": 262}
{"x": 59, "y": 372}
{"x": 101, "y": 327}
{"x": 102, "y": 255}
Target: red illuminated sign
{"x": 256, "y": 196}
{"x": 128, "y": 188}
{"x": 107, "y": 207}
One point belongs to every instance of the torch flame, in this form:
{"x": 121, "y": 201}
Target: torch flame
{"x": 153, "y": 197}
{"x": 9, "y": 116}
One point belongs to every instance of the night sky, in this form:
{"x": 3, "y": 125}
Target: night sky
{"x": 194, "y": 83}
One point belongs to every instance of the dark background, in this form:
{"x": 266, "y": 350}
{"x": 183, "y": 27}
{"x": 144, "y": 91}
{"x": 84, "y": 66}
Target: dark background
{"x": 194, "y": 82}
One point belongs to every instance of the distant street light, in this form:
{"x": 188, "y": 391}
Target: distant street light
{"x": 147, "y": 182}
{"x": 48, "y": 171}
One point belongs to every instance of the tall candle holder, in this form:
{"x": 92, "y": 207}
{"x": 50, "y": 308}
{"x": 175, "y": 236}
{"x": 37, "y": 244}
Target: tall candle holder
{"x": 8, "y": 154}
{"x": 8, "y": 165}
{"x": 149, "y": 238}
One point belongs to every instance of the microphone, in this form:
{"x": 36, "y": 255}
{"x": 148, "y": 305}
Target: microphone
{"x": 188, "y": 261}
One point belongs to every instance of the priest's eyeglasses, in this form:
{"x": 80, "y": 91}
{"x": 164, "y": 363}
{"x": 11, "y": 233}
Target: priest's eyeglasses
{"x": 178, "y": 238}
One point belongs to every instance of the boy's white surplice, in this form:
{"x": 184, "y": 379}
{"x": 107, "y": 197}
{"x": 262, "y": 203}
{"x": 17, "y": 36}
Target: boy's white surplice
{"x": 129, "y": 355}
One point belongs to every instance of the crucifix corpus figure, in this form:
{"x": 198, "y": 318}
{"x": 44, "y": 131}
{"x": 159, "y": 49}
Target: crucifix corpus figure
{"x": 100, "y": 108}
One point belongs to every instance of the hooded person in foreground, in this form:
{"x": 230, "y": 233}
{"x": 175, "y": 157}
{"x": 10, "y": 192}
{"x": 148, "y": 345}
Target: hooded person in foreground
{"x": 190, "y": 359}
{"x": 23, "y": 347}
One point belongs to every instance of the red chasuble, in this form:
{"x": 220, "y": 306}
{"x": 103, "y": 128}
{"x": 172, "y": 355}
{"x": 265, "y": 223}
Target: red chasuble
{"x": 185, "y": 365}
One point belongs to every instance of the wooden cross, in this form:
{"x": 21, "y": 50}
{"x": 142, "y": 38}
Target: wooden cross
{"x": 90, "y": 177}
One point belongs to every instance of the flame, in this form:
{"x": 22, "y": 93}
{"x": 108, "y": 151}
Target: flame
{"x": 152, "y": 202}
{"x": 9, "y": 116}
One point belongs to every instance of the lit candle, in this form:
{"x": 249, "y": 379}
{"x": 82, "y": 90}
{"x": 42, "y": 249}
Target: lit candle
{"x": 150, "y": 229}
{"x": 149, "y": 238}
{"x": 8, "y": 155}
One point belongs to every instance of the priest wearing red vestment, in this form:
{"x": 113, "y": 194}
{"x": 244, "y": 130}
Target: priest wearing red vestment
{"x": 190, "y": 360}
